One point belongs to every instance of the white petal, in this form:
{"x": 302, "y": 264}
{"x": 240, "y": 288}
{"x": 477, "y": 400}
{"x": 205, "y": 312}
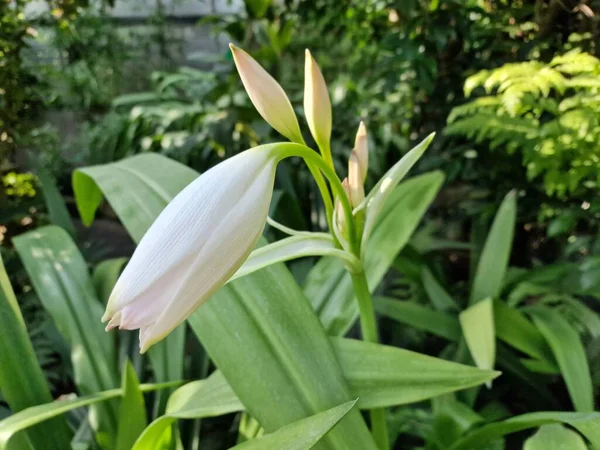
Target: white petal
{"x": 185, "y": 225}
{"x": 227, "y": 247}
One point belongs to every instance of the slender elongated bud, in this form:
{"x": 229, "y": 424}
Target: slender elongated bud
{"x": 340, "y": 217}
{"x": 195, "y": 245}
{"x": 317, "y": 105}
{"x": 267, "y": 95}
{"x": 361, "y": 147}
{"x": 355, "y": 180}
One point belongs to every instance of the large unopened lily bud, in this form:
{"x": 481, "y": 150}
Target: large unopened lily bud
{"x": 267, "y": 95}
{"x": 317, "y": 105}
{"x": 361, "y": 147}
{"x": 195, "y": 245}
{"x": 355, "y": 180}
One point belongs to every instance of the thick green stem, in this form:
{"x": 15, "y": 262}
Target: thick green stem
{"x": 368, "y": 327}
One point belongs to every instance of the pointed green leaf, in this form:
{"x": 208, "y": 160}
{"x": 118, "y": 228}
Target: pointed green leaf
{"x": 195, "y": 400}
{"x": 516, "y": 330}
{"x": 477, "y": 323}
{"x": 377, "y": 197}
{"x": 298, "y": 375}
{"x": 384, "y": 376}
{"x": 302, "y": 434}
{"x": 587, "y": 424}
{"x": 57, "y": 209}
{"x": 555, "y": 437}
{"x": 419, "y": 316}
{"x": 60, "y": 278}
{"x": 329, "y": 287}
{"x": 137, "y": 188}
{"x": 569, "y": 353}
{"x": 132, "y": 413}
{"x": 308, "y": 244}
{"x": 18, "y": 363}
{"x": 37, "y": 414}
{"x": 495, "y": 255}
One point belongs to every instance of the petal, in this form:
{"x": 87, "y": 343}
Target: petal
{"x": 225, "y": 251}
{"x": 145, "y": 308}
{"x": 268, "y": 97}
{"x": 185, "y": 225}
{"x": 317, "y": 106}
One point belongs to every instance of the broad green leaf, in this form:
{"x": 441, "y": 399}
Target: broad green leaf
{"x": 440, "y": 299}
{"x": 383, "y": 376}
{"x": 420, "y": 317}
{"x": 555, "y": 437}
{"x": 37, "y": 414}
{"x": 307, "y": 244}
{"x": 57, "y": 209}
{"x": 329, "y": 287}
{"x": 300, "y": 435}
{"x": 477, "y": 323}
{"x": 195, "y": 400}
{"x": 495, "y": 255}
{"x": 60, "y": 278}
{"x": 570, "y": 355}
{"x": 587, "y": 424}
{"x": 379, "y": 375}
{"x": 22, "y": 381}
{"x": 377, "y": 197}
{"x": 138, "y": 189}
{"x": 132, "y": 413}
{"x": 298, "y": 374}
{"x": 516, "y": 330}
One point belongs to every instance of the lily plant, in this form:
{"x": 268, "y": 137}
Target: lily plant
{"x": 206, "y": 236}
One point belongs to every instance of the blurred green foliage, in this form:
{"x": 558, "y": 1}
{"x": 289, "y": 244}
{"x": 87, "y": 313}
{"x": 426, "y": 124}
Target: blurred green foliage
{"x": 549, "y": 113}
{"x": 404, "y": 67}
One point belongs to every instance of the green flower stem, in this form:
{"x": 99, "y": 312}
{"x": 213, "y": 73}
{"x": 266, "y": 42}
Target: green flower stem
{"x": 325, "y": 194}
{"x": 311, "y": 157}
{"x": 368, "y": 327}
{"x": 326, "y": 153}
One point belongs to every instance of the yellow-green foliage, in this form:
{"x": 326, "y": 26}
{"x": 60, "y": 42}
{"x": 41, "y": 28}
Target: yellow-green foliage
{"x": 548, "y": 112}
{"x": 19, "y": 184}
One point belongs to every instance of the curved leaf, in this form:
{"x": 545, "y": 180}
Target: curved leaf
{"x": 569, "y": 353}
{"x": 37, "y": 414}
{"x": 300, "y": 435}
{"x": 18, "y": 362}
{"x": 60, "y": 278}
{"x": 477, "y": 323}
{"x": 555, "y": 437}
{"x": 495, "y": 254}
{"x": 587, "y": 424}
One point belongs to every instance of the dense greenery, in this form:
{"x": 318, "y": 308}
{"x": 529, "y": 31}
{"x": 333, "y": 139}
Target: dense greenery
{"x": 486, "y": 256}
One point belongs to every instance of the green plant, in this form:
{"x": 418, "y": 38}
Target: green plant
{"x": 548, "y": 113}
